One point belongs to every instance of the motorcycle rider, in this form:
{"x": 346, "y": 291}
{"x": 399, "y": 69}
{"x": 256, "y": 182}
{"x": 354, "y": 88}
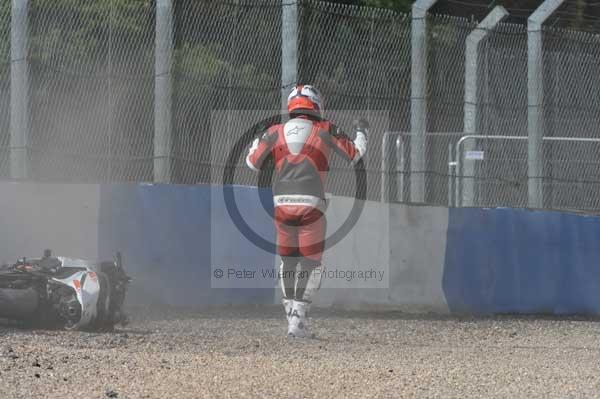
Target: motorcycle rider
{"x": 301, "y": 148}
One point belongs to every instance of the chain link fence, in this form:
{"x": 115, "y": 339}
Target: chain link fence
{"x": 91, "y": 91}
{"x": 572, "y": 109}
{"x": 227, "y": 57}
{"x": 494, "y": 167}
{"x": 501, "y": 176}
{"x": 91, "y": 98}
{"x": 359, "y": 58}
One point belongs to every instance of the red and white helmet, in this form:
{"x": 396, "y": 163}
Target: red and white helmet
{"x": 305, "y": 97}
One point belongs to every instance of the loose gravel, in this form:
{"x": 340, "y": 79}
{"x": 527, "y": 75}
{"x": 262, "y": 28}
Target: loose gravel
{"x": 243, "y": 352}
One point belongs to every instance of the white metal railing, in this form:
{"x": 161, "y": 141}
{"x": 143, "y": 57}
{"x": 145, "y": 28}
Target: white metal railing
{"x": 394, "y": 143}
{"x": 463, "y": 196}
{"x": 461, "y": 186}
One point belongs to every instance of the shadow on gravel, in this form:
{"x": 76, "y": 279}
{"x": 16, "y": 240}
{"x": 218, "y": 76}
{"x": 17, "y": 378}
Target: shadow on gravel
{"x": 11, "y": 326}
{"x": 267, "y": 312}
{"x": 141, "y": 314}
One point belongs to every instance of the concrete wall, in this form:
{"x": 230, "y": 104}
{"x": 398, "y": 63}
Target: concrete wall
{"x": 364, "y": 249}
{"x": 405, "y": 243}
{"x": 418, "y": 243}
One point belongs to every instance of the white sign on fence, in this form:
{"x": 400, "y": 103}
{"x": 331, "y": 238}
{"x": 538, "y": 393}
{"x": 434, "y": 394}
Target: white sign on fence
{"x": 474, "y": 155}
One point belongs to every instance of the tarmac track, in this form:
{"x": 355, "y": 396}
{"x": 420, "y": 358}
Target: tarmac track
{"x": 243, "y": 352}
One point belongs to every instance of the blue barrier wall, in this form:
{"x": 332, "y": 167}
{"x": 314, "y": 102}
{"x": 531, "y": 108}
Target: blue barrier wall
{"x": 165, "y": 235}
{"x": 519, "y": 261}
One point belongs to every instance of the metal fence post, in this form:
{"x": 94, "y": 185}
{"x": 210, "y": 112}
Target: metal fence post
{"x": 496, "y": 16}
{"x": 385, "y": 168}
{"x": 163, "y": 91}
{"x": 418, "y": 101}
{"x": 400, "y": 169}
{"x": 535, "y": 100}
{"x": 19, "y": 90}
{"x": 289, "y": 48}
{"x": 451, "y": 177}
{"x": 233, "y": 44}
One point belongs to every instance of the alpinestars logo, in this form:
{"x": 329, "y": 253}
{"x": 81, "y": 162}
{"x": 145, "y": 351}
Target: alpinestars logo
{"x": 295, "y": 130}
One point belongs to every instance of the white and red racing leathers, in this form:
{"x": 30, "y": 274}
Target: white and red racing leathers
{"x": 301, "y": 150}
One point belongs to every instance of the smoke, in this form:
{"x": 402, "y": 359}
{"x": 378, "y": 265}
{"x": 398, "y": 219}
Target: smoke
{"x": 61, "y": 217}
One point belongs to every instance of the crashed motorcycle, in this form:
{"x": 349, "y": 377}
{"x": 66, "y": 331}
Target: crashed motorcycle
{"x": 62, "y": 292}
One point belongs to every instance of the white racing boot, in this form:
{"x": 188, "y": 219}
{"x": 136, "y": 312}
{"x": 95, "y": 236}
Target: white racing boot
{"x": 298, "y": 320}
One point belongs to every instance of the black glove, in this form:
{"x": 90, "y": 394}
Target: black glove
{"x": 360, "y": 125}
{"x": 261, "y": 127}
